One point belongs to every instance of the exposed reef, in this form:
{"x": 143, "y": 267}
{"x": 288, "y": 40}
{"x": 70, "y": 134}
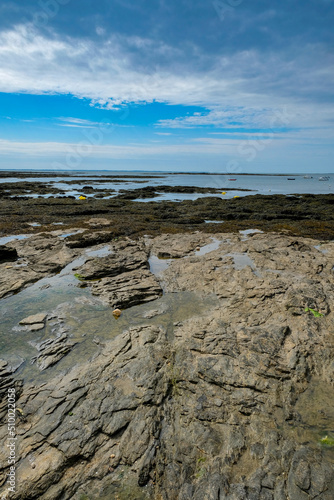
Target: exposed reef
{"x": 302, "y": 215}
{"x": 231, "y": 403}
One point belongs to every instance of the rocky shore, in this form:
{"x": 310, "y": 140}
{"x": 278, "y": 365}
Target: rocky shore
{"x": 300, "y": 215}
{"x": 234, "y": 402}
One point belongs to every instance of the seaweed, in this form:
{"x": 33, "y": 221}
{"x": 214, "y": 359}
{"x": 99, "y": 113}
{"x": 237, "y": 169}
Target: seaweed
{"x": 316, "y": 314}
{"x": 327, "y": 441}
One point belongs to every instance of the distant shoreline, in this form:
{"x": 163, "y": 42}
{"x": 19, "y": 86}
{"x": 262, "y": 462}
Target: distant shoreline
{"x": 127, "y": 173}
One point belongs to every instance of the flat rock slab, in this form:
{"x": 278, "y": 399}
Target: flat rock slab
{"x": 34, "y": 319}
{"x": 128, "y": 289}
{"x": 36, "y": 327}
{"x": 53, "y": 350}
{"x": 43, "y": 254}
{"x": 124, "y": 279}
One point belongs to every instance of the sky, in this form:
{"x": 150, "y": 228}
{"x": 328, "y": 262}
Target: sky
{"x": 167, "y": 85}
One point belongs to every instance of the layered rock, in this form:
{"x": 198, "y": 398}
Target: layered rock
{"x": 232, "y": 404}
{"x": 52, "y": 350}
{"x": 41, "y": 255}
{"x": 122, "y": 279}
{"x": 7, "y": 381}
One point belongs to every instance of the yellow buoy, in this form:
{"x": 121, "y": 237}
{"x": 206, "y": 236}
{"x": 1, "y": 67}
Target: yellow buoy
{"x": 236, "y": 196}
{"x": 116, "y": 313}
{"x": 223, "y": 192}
{"x": 82, "y": 197}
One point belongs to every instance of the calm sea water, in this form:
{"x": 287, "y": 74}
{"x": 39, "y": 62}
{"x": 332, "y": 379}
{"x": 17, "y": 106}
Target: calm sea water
{"x": 258, "y": 184}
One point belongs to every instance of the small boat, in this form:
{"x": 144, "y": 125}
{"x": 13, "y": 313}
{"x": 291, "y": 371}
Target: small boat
{"x": 232, "y": 179}
{"x": 324, "y": 178}
{"x": 291, "y": 178}
{"x": 308, "y": 177}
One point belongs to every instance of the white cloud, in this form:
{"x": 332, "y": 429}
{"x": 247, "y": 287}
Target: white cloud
{"x": 228, "y": 145}
{"x": 79, "y": 123}
{"x": 86, "y": 148}
{"x": 244, "y": 89}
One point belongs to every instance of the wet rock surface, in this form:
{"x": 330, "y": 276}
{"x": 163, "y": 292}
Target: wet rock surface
{"x": 230, "y": 405}
{"x": 128, "y": 289}
{"x": 153, "y": 191}
{"x": 7, "y": 381}
{"x": 126, "y": 256}
{"x": 39, "y": 256}
{"x": 52, "y": 350}
{"x": 36, "y": 318}
{"x": 122, "y": 279}
{"x": 302, "y": 215}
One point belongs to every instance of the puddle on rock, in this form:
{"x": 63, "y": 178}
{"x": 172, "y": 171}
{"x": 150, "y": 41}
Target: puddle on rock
{"x": 157, "y": 265}
{"x": 7, "y": 239}
{"x": 246, "y": 232}
{"x": 100, "y": 252}
{"x": 210, "y": 247}
{"x": 71, "y": 234}
{"x": 250, "y": 231}
{"x": 42, "y": 296}
{"x": 87, "y": 319}
{"x": 242, "y": 260}
{"x": 214, "y": 221}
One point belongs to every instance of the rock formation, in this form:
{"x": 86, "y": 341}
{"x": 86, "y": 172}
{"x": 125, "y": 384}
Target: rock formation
{"x": 233, "y": 404}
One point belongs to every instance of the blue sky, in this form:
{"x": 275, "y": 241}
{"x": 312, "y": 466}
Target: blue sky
{"x": 187, "y": 85}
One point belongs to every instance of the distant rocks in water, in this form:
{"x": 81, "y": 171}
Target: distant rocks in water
{"x": 7, "y": 254}
{"x": 154, "y": 191}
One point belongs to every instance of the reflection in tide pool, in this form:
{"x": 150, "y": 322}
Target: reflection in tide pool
{"x": 210, "y": 247}
{"x": 6, "y": 239}
{"x": 242, "y": 260}
{"x": 157, "y": 265}
{"x": 86, "y": 319}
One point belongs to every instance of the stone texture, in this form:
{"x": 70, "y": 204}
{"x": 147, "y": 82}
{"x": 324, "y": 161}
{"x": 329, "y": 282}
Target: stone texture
{"x": 52, "y": 350}
{"x": 36, "y": 327}
{"x": 41, "y": 255}
{"x": 128, "y": 289}
{"x": 36, "y": 318}
{"x": 229, "y": 404}
{"x": 123, "y": 278}
{"x": 97, "y": 222}
{"x": 7, "y": 381}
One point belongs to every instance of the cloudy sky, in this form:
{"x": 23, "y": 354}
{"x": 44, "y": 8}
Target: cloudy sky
{"x": 177, "y": 85}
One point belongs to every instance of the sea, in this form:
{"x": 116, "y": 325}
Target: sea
{"x": 230, "y": 184}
